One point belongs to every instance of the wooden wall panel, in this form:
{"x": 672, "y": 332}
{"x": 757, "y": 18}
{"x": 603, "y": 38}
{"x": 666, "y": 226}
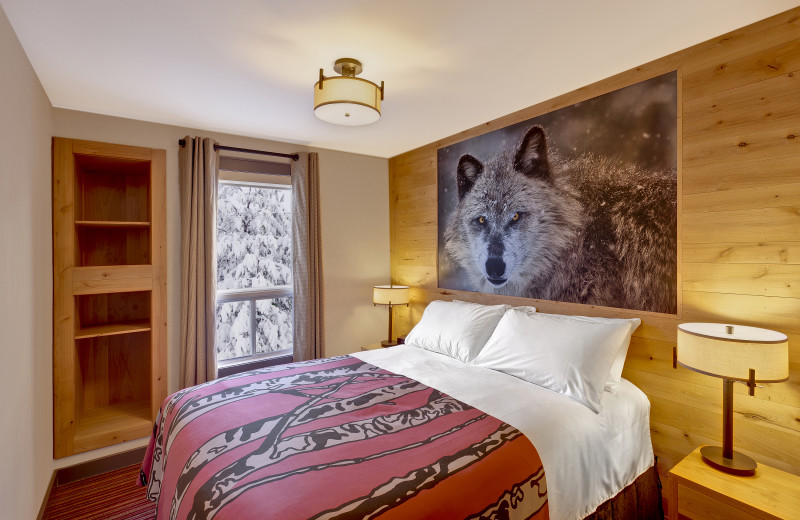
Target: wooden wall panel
{"x": 739, "y": 234}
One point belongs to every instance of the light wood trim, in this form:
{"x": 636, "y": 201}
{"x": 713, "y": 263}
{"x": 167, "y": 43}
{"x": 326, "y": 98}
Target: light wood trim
{"x": 112, "y": 329}
{"x": 761, "y": 64}
{"x": 63, "y": 303}
{"x": 107, "y": 389}
{"x": 111, "y": 272}
{"x": 723, "y": 115}
{"x": 111, "y": 224}
{"x": 750, "y": 198}
{"x": 744, "y": 225}
{"x": 694, "y": 504}
{"x": 111, "y": 279}
{"x": 117, "y": 151}
{"x": 753, "y": 279}
{"x": 112, "y": 424}
{"x": 743, "y": 253}
{"x": 769, "y": 494}
{"x": 738, "y": 163}
{"x": 112, "y": 285}
{"x": 158, "y": 236}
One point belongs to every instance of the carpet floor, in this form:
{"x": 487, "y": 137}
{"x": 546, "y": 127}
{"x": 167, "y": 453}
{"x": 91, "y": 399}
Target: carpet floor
{"x": 110, "y": 496}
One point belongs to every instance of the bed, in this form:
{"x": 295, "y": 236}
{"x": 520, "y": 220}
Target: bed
{"x": 402, "y": 432}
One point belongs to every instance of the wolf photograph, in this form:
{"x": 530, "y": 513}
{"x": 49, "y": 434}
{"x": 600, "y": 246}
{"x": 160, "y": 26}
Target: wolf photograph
{"x": 576, "y": 205}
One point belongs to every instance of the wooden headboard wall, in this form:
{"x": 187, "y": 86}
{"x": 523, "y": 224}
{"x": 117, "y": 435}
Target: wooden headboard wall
{"x": 738, "y": 225}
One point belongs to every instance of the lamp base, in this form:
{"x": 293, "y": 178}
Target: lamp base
{"x": 386, "y": 343}
{"x": 740, "y": 464}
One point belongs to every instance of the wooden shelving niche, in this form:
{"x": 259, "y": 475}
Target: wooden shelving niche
{"x": 109, "y": 265}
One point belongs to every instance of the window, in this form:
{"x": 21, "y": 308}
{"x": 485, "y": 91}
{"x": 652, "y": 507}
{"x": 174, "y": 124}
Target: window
{"x": 254, "y": 269}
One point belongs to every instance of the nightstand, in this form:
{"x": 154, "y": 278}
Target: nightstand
{"x": 372, "y": 346}
{"x": 701, "y": 492}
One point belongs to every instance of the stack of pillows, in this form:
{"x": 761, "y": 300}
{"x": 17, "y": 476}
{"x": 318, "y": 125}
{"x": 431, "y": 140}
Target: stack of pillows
{"x": 577, "y": 356}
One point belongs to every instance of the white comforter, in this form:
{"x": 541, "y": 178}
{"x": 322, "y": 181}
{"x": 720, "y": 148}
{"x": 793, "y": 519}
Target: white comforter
{"x": 588, "y": 458}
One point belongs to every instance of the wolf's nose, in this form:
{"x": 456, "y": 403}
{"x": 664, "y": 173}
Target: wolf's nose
{"x": 495, "y": 267}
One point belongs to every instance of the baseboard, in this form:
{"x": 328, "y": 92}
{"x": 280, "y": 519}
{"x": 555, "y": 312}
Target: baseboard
{"x": 99, "y": 466}
{"x": 46, "y": 496}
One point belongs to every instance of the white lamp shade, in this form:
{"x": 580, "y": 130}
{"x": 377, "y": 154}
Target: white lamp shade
{"x": 348, "y": 101}
{"x": 390, "y": 294}
{"x": 709, "y": 348}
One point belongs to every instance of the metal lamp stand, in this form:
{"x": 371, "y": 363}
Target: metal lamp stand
{"x": 724, "y": 458}
{"x": 388, "y": 342}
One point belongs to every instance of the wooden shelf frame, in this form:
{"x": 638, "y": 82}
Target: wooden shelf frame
{"x": 111, "y": 224}
{"x": 112, "y": 424}
{"x": 109, "y": 365}
{"x": 113, "y": 329}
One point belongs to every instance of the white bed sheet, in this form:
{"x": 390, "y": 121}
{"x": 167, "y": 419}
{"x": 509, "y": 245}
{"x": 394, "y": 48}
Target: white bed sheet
{"x": 587, "y": 457}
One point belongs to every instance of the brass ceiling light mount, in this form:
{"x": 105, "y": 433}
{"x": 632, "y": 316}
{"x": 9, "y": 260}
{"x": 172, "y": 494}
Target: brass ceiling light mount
{"x": 346, "y": 99}
{"x": 348, "y": 67}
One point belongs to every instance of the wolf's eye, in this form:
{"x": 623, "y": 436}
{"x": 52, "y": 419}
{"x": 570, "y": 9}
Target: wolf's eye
{"x": 515, "y": 219}
{"x": 482, "y": 219}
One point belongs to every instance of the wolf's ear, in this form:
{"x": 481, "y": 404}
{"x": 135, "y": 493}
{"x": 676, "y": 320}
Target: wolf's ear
{"x": 531, "y": 158}
{"x": 469, "y": 169}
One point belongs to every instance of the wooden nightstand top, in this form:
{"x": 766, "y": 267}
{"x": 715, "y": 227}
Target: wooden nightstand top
{"x": 770, "y": 493}
{"x": 372, "y": 346}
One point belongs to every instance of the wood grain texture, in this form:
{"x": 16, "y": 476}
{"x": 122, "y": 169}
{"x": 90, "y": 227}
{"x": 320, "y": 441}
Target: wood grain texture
{"x": 109, "y": 264}
{"x": 158, "y": 237}
{"x": 111, "y": 150}
{"x": 769, "y": 494}
{"x": 739, "y": 234}
{"x": 63, "y": 301}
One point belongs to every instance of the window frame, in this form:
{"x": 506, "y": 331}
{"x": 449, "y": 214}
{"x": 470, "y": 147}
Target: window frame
{"x": 253, "y": 294}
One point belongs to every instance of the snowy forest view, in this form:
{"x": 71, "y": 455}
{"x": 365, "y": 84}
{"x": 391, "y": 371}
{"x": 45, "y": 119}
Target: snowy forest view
{"x": 254, "y": 250}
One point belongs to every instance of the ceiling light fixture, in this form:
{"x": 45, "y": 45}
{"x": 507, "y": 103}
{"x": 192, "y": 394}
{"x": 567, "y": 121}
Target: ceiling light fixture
{"x": 346, "y": 99}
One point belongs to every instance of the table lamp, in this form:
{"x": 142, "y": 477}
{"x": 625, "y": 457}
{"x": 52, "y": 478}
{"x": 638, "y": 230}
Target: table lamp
{"x": 736, "y": 354}
{"x": 390, "y": 295}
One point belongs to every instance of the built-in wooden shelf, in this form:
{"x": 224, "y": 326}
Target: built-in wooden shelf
{"x": 112, "y": 329}
{"x": 111, "y": 224}
{"x": 109, "y": 293}
{"x": 112, "y": 424}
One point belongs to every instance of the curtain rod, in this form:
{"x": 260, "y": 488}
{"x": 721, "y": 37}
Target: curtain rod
{"x": 292, "y": 156}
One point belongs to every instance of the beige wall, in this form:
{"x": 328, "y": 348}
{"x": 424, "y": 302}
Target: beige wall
{"x": 25, "y": 281}
{"x": 355, "y": 235}
{"x": 355, "y": 229}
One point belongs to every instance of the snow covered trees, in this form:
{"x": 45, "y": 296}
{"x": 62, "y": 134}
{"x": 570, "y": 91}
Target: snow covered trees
{"x": 254, "y": 250}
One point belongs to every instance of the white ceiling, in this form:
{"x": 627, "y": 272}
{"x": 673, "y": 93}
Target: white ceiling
{"x": 248, "y": 67}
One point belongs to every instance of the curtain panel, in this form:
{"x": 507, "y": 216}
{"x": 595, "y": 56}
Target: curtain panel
{"x": 307, "y": 259}
{"x": 198, "y": 164}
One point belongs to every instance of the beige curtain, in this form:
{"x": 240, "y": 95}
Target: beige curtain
{"x": 198, "y": 163}
{"x": 307, "y": 259}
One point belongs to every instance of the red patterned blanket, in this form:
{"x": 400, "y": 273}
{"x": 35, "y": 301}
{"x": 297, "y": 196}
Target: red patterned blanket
{"x": 336, "y": 438}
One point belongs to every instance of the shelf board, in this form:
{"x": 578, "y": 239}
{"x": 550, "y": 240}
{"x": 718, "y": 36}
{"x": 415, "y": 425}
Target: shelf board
{"x": 111, "y": 224}
{"x": 112, "y": 329}
{"x": 107, "y": 425}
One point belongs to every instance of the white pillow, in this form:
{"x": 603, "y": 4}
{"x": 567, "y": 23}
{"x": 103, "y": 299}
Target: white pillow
{"x": 456, "y": 329}
{"x": 615, "y": 375}
{"x": 569, "y": 355}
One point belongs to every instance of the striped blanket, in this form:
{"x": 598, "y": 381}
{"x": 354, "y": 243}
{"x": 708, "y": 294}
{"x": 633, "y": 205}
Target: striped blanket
{"x": 336, "y": 438}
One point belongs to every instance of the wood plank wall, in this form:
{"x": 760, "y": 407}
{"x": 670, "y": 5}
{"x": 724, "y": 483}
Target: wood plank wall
{"x": 739, "y": 234}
